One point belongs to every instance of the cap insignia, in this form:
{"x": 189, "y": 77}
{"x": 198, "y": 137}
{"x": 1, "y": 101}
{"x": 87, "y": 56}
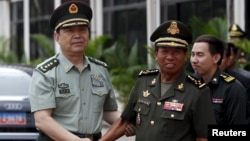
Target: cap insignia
{"x": 173, "y": 28}
{"x": 73, "y": 9}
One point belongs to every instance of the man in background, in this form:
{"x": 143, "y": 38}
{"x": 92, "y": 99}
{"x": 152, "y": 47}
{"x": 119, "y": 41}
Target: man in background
{"x": 228, "y": 94}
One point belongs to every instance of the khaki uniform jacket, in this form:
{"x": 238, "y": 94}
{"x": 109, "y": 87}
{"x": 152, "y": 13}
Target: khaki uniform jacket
{"x": 78, "y": 99}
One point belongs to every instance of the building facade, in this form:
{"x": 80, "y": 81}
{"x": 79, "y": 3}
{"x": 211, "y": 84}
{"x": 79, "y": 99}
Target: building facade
{"x": 131, "y": 20}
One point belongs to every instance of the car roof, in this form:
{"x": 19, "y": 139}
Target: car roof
{"x": 25, "y": 68}
{"x": 14, "y": 82}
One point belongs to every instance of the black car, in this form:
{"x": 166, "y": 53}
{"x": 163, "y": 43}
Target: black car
{"x": 16, "y": 120}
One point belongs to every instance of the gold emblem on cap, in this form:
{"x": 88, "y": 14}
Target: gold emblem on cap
{"x": 173, "y": 28}
{"x": 73, "y": 9}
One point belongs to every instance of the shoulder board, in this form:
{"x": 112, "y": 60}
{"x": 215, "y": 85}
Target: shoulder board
{"x": 228, "y": 78}
{"x": 49, "y": 65}
{"x": 96, "y": 61}
{"x": 196, "y": 82}
{"x": 148, "y": 72}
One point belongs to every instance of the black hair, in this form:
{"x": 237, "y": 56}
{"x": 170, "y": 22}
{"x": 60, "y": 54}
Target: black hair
{"x": 233, "y": 47}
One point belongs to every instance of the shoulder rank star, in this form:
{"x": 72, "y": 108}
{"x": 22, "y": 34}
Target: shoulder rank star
{"x": 146, "y": 93}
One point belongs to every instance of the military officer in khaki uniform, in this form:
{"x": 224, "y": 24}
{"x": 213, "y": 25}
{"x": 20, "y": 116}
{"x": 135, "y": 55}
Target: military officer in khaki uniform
{"x": 70, "y": 93}
{"x": 166, "y": 104}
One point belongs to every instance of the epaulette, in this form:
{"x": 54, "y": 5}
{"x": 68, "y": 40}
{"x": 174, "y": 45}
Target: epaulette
{"x": 228, "y": 78}
{"x": 96, "y": 61}
{"x": 196, "y": 82}
{"x": 148, "y": 72}
{"x": 49, "y": 65}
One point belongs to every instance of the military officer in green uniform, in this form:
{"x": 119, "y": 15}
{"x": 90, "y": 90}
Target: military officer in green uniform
{"x": 166, "y": 103}
{"x": 228, "y": 94}
{"x": 71, "y": 93}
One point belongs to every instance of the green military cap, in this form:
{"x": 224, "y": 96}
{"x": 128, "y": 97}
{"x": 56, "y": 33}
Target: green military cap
{"x": 236, "y": 31}
{"x": 172, "y": 34}
{"x": 71, "y": 13}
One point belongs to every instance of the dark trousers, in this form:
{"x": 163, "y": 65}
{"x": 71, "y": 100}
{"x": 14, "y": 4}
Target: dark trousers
{"x": 44, "y": 137}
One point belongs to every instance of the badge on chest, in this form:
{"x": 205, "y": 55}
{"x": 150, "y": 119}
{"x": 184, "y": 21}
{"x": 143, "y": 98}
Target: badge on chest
{"x": 174, "y": 105}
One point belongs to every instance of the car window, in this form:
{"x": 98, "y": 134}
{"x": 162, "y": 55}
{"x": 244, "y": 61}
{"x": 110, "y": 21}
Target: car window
{"x": 14, "y": 82}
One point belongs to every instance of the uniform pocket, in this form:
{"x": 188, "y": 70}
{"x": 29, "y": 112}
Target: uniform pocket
{"x": 141, "y": 108}
{"x": 99, "y": 95}
{"x": 172, "y": 121}
{"x": 64, "y": 100}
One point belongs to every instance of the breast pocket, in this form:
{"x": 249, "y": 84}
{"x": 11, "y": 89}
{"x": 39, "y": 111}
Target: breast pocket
{"x": 64, "y": 101}
{"x": 142, "y": 111}
{"x": 99, "y": 95}
{"x": 172, "y": 121}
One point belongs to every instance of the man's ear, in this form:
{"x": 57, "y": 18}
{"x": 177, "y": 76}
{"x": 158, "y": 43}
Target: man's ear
{"x": 56, "y": 37}
{"x": 217, "y": 57}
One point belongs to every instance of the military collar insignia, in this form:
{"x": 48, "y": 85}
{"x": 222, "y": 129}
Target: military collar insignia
{"x": 215, "y": 80}
{"x": 180, "y": 86}
{"x": 73, "y": 9}
{"x": 173, "y": 28}
{"x": 146, "y": 93}
{"x": 153, "y": 81}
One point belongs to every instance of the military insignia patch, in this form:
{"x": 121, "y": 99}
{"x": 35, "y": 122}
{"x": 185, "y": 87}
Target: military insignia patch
{"x": 180, "y": 86}
{"x": 148, "y": 72}
{"x": 63, "y": 88}
{"x": 173, "y": 29}
{"x": 97, "y": 62}
{"x": 73, "y": 9}
{"x": 228, "y": 78}
{"x": 146, "y": 93}
{"x": 97, "y": 80}
{"x": 153, "y": 81}
{"x": 217, "y": 100}
{"x": 173, "y": 106}
{"x": 196, "y": 81}
{"x": 49, "y": 65}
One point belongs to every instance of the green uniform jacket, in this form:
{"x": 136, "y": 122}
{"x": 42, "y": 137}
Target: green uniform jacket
{"x": 181, "y": 114}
